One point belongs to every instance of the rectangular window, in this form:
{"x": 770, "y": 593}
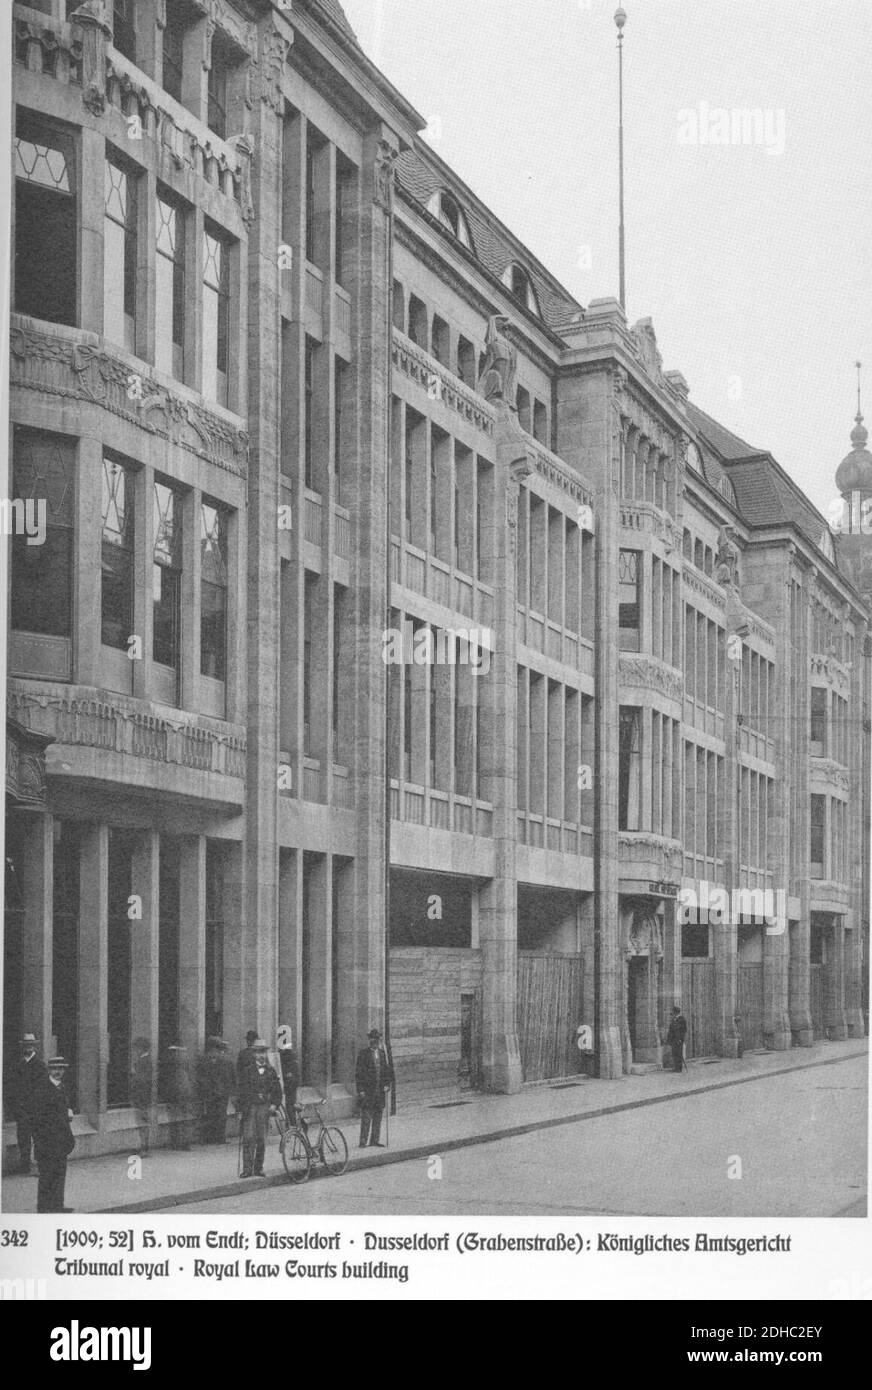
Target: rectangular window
{"x": 45, "y": 222}
{"x": 116, "y": 619}
{"x": 343, "y": 203}
{"x": 119, "y": 255}
{"x": 219, "y": 71}
{"x": 818, "y": 731}
{"x": 169, "y": 338}
{"x": 337, "y": 668}
{"x": 629, "y": 769}
{"x": 173, "y": 50}
{"x": 338, "y": 389}
{"x": 818, "y": 835}
{"x": 216, "y": 315}
{"x": 694, "y": 941}
{"x": 167, "y": 576}
{"x": 629, "y": 615}
{"x": 310, "y": 201}
{"x": 123, "y": 29}
{"x": 43, "y": 474}
{"x": 309, "y": 408}
{"x": 214, "y": 526}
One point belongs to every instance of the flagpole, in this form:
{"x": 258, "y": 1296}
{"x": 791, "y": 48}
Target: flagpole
{"x": 620, "y": 21}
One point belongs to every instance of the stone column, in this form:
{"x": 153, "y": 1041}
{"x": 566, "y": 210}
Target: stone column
{"x": 144, "y": 941}
{"x": 237, "y": 1020}
{"x": 501, "y": 1057}
{"x": 36, "y": 965}
{"x": 834, "y": 1003}
{"x": 362, "y": 901}
{"x": 87, "y": 572}
{"x": 264, "y": 380}
{"x": 724, "y": 935}
{"x": 93, "y": 152}
{"x": 316, "y": 1045}
{"x": 793, "y": 789}
{"x": 192, "y": 944}
{"x": 93, "y": 971}
{"x": 854, "y": 983}
{"x": 290, "y": 942}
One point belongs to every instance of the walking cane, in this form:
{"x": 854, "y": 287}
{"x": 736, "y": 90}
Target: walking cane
{"x": 239, "y": 1151}
{"x": 387, "y": 1126}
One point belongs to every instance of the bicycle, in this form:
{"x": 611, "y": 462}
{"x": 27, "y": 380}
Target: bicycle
{"x": 300, "y": 1148}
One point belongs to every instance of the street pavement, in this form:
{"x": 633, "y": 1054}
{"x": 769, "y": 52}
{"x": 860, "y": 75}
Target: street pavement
{"x": 658, "y": 1143}
{"x": 788, "y": 1146}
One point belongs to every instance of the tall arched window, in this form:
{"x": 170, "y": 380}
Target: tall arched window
{"x": 521, "y": 286}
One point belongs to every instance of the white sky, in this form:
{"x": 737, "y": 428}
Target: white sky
{"x": 755, "y": 267}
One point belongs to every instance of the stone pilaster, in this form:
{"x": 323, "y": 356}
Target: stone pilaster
{"x": 501, "y": 1058}
{"x": 834, "y": 1002}
{"x": 192, "y": 944}
{"x": 258, "y": 964}
{"x": 793, "y": 766}
{"x": 144, "y": 940}
{"x": 36, "y": 966}
{"x": 93, "y": 971}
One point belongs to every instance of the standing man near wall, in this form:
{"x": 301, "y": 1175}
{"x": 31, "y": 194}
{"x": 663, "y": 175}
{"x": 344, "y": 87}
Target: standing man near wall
{"x": 259, "y": 1089}
{"x": 29, "y": 1074}
{"x": 53, "y": 1140}
{"x": 676, "y": 1036}
{"x": 373, "y": 1079}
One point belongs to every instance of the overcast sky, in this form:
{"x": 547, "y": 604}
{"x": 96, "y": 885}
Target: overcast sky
{"x": 753, "y": 260}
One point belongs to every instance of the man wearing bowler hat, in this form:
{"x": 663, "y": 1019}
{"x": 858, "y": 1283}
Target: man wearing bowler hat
{"x": 373, "y": 1077}
{"x": 259, "y": 1091}
{"x": 29, "y": 1073}
{"x": 53, "y": 1139}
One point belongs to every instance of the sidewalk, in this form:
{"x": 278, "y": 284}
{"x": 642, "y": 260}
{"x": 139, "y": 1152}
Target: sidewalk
{"x": 172, "y": 1178}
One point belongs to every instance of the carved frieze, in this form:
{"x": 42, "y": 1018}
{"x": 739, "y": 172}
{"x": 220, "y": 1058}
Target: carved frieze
{"x": 82, "y": 371}
{"x": 25, "y": 764}
{"x": 101, "y": 720}
{"x": 273, "y": 52}
{"x": 423, "y": 369}
{"x": 647, "y": 673}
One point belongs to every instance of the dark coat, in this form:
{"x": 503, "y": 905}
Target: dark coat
{"x": 26, "y": 1083}
{"x": 258, "y": 1087}
{"x": 141, "y": 1081}
{"x": 290, "y": 1073}
{"x": 50, "y": 1121}
{"x": 216, "y": 1077}
{"x": 366, "y": 1081}
{"x": 677, "y": 1031}
{"x": 178, "y": 1079}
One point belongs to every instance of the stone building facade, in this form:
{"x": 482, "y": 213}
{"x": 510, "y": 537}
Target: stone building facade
{"x": 348, "y": 504}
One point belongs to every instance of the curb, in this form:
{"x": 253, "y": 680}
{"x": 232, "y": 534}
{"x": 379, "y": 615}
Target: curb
{"x": 383, "y": 1160}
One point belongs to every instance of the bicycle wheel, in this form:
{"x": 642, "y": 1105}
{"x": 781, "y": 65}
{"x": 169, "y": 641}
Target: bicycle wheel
{"x": 334, "y": 1151}
{"x": 296, "y": 1155}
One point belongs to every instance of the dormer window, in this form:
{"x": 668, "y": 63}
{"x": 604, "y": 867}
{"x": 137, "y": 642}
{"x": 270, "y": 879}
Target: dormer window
{"x": 521, "y": 286}
{"x": 451, "y": 215}
{"x": 825, "y": 545}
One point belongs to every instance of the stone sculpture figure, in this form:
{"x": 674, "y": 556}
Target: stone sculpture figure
{"x": 497, "y": 380}
{"x": 727, "y": 561}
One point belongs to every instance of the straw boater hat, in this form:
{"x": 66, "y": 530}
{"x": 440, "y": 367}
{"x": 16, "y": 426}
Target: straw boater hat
{"x": 28, "y": 1037}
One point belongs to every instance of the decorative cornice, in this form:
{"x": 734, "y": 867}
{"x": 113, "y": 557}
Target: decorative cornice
{"x": 58, "y": 366}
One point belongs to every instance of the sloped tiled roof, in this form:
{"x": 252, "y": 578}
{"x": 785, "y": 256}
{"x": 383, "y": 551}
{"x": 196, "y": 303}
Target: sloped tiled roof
{"x": 495, "y": 251}
{"x": 726, "y": 444}
{"x": 334, "y": 11}
{"x": 765, "y": 495}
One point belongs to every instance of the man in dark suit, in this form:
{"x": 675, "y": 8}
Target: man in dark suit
{"x": 290, "y": 1077}
{"x": 373, "y": 1076}
{"x": 246, "y": 1054}
{"x": 258, "y": 1091}
{"x": 28, "y": 1076}
{"x": 676, "y": 1036}
{"x": 215, "y": 1081}
{"x": 53, "y": 1140}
